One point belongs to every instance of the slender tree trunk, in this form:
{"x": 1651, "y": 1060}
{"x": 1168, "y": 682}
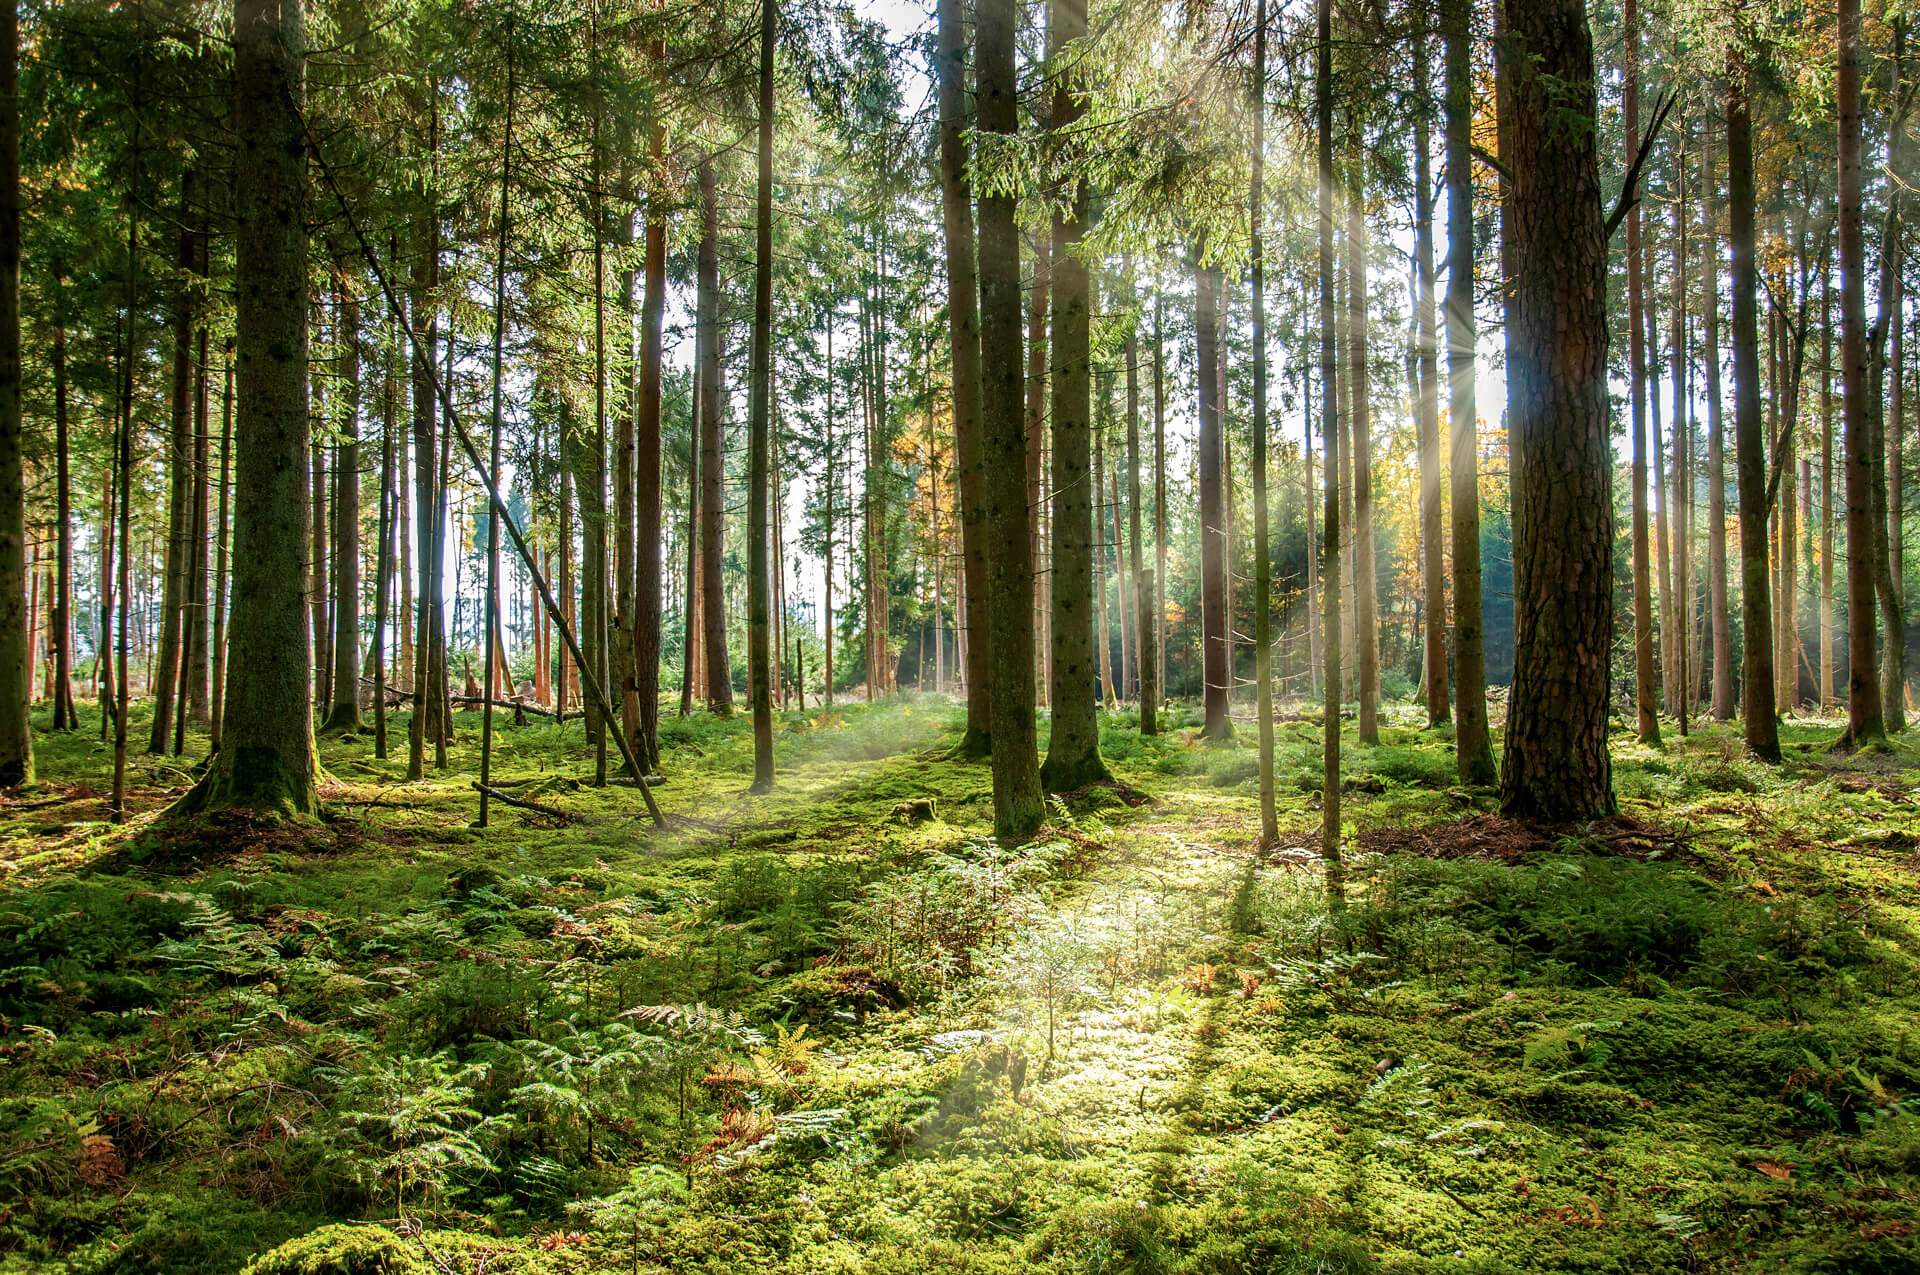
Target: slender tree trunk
{"x": 1750, "y": 459}
{"x": 1649, "y": 722}
{"x": 1213, "y": 512}
{"x": 266, "y": 761}
{"x": 1426, "y": 408}
{"x": 1473, "y": 746}
{"x": 490, "y": 619}
{"x": 1160, "y": 488}
{"x": 1717, "y": 607}
{"x": 1101, "y": 640}
{"x": 1365, "y": 581}
{"x": 1017, "y": 804}
{"x": 1330, "y": 429}
{"x": 424, "y": 322}
{"x": 65, "y": 716}
{"x": 759, "y": 424}
{"x": 713, "y": 604}
{"x": 16, "y": 675}
{"x": 220, "y": 575}
{"x": 963, "y": 335}
{"x": 1262, "y": 567}
{"x": 1073, "y": 752}
{"x": 179, "y": 458}
{"x": 1682, "y": 503}
{"x": 1038, "y": 386}
{"x": 690, "y": 650}
{"x": 1826, "y": 491}
{"x": 1865, "y": 714}
{"x": 648, "y": 501}
{"x": 1663, "y": 507}
{"x": 1146, "y": 587}
{"x": 1557, "y": 767}
{"x": 383, "y": 563}
{"x": 344, "y": 713}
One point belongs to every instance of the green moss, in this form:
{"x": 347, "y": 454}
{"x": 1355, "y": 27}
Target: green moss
{"x": 342, "y": 1250}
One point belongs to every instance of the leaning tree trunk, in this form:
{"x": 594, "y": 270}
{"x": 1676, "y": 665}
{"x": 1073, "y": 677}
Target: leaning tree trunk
{"x": 1865, "y": 713}
{"x": 1017, "y": 802}
{"x": 963, "y": 334}
{"x": 760, "y": 425}
{"x": 1557, "y": 767}
{"x": 1473, "y": 744}
{"x": 1750, "y": 452}
{"x": 16, "y": 674}
{"x": 1073, "y": 752}
{"x": 266, "y": 761}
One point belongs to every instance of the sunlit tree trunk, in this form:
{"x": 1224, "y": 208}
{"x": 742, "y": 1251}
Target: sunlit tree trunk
{"x": 1017, "y": 804}
{"x": 1360, "y": 411}
{"x": 713, "y": 601}
{"x": 1262, "y": 568}
{"x": 343, "y": 715}
{"x": 760, "y": 425}
{"x": 1330, "y": 853}
{"x": 1426, "y": 408}
{"x": 1557, "y": 767}
{"x": 16, "y": 674}
{"x": 266, "y": 762}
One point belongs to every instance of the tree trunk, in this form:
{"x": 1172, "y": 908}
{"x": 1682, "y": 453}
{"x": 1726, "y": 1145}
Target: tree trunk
{"x": 759, "y": 425}
{"x": 1073, "y": 752}
{"x": 1750, "y": 458}
{"x": 1262, "y": 567}
{"x": 490, "y": 615}
{"x": 1213, "y": 512}
{"x": 713, "y": 602}
{"x": 65, "y": 716}
{"x": 1017, "y": 804}
{"x": 1426, "y": 410}
{"x": 1643, "y": 672}
{"x": 1826, "y": 491}
{"x": 1717, "y": 607}
{"x": 1865, "y": 714}
{"x": 1330, "y": 429}
{"x": 963, "y": 335}
{"x": 1557, "y": 766}
{"x": 218, "y": 693}
{"x": 344, "y": 714}
{"x": 1159, "y": 488}
{"x": 179, "y": 488}
{"x": 16, "y": 676}
{"x": 1473, "y": 746}
{"x": 1360, "y": 413}
{"x": 266, "y": 761}
{"x": 1146, "y": 587}
{"x": 648, "y": 580}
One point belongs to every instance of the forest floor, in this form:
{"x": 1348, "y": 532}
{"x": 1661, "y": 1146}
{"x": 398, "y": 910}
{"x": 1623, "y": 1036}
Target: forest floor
{"x": 817, "y": 1032}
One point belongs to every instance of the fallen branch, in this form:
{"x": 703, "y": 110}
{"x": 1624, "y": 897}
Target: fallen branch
{"x": 521, "y": 803}
{"x": 518, "y": 706}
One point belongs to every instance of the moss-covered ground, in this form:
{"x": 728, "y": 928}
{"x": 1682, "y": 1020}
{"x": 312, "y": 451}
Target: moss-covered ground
{"x": 819, "y": 1031}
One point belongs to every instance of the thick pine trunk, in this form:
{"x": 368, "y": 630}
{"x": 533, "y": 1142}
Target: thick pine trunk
{"x": 1557, "y": 767}
{"x": 266, "y": 761}
{"x": 1017, "y": 804}
{"x": 1073, "y": 751}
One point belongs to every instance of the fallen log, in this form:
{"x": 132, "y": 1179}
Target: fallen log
{"x": 521, "y": 803}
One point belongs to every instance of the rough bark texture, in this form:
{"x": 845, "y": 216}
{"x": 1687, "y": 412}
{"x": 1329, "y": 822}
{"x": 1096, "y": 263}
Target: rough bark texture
{"x": 1750, "y": 453}
{"x": 760, "y": 426}
{"x": 1017, "y": 804}
{"x": 344, "y": 712}
{"x": 16, "y": 674}
{"x": 266, "y": 761}
{"x": 963, "y": 335}
{"x": 1433, "y": 569}
{"x": 1556, "y": 761}
{"x": 713, "y": 600}
{"x": 1473, "y": 745}
{"x": 1213, "y": 509}
{"x": 1366, "y": 673}
{"x": 1073, "y": 751}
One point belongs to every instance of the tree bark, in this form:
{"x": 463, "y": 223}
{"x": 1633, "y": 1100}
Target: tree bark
{"x": 1557, "y": 766}
{"x": 713, "y": 601}
{"x": 1722, "y": 618}
{"x": 1073, "y": 751}
{"x": 1017, "y": 804}
{"x": 1262, "y": 567}
{"x": 266, "y": 762}
{"x": 1750, "y": 458}
{"x": 1146, "y": 587}
{"x": 1473, "y": 745}
{"x": 760, "y": 424}
{"x": 1213, "y": 510}
{"x": 1433, "y": 578}
{"x": 16, "y": 675}
{"x": 1330, "y": 855}
{"x": 648, "y": 580}
{"x": 1360, "y": 412}
{"x": 179, "y": 489}
{"x": 963, "y": 336}
{"x": 344, "y": 714}
{"x": 1643, "y": 671}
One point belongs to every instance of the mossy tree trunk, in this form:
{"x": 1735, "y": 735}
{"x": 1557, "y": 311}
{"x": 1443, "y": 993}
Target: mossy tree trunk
{"x": 266, "y": 761}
